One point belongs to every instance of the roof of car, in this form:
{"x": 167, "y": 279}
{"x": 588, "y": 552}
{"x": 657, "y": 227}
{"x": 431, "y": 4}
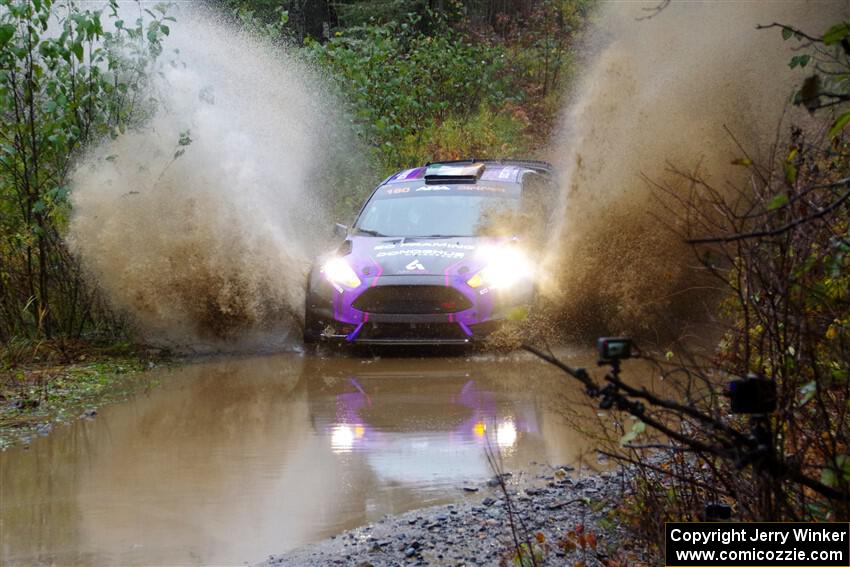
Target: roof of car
{"x": 494, "y": 170}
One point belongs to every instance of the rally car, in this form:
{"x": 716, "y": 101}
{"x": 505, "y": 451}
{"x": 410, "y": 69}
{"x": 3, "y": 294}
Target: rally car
{"x": 439, "y": 254}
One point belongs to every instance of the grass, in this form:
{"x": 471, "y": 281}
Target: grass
{"x": 45, "y": 384}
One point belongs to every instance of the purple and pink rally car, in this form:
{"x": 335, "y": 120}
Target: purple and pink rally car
{"x": 440, "y": 254}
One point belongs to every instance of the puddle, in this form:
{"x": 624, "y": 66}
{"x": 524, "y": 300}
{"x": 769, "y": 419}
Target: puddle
{"x": 232, "y": 460}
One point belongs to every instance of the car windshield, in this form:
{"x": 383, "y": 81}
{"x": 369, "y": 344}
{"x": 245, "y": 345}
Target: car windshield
{"x": 417, "y": 215}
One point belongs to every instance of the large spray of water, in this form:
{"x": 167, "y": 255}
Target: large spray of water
{"x": 201, "y": 224}
{"x": 661, "y": 92}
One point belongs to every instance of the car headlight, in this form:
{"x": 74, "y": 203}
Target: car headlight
{"x": 339, "y": 273}
{"x": 505, "y": 266}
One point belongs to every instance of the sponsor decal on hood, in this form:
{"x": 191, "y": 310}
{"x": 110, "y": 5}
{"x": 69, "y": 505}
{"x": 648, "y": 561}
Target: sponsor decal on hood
{"x": 413, "y": 256}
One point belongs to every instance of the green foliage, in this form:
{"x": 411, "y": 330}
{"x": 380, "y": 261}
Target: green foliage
{"x": 799, "y": 60}
{"x": 358, "y": 14}
{"x": 401, "y": 82}
{"x": 265, "y": 19}
{"x": 836, "y": 33}
{"x": 829, "y": 84}
{"x": 839, "y": 124}
{"x": 838, "y": 473}
{"x": 637, "y": 428}
{"x": 482, "y": 134}
{"x": 779, "y": 201}
{"x": 66, "y": 80}
{"x": 540, "y": 44}
{"x": 432, "y": 80}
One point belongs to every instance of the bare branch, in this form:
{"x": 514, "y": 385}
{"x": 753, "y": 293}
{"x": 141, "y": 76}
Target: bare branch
{"x": 654, "y": 11}
{"x": 822, "y": 212}
{"x": 791, "y": 29}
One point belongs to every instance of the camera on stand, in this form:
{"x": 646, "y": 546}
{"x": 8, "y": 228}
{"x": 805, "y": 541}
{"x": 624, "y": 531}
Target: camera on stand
{"x": 613, "y": 349}
{"x": 752, "y": 395}
{"x": 717, "y": 512}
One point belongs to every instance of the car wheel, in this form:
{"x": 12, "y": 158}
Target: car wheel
{"x": 312, "y": 327}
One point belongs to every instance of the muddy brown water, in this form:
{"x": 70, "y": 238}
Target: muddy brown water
{"x": 228, "y": 461}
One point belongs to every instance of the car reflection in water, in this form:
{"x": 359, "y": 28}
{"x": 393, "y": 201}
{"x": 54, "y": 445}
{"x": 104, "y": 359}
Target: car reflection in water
{"x": 413, "y": 427}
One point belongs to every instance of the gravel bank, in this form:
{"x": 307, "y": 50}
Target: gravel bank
{"x": 551, "y": 502}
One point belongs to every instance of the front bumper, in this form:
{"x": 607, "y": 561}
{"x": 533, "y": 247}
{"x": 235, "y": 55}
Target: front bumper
{"x": 407, "y": 330}
{"x": 332, "y": 316}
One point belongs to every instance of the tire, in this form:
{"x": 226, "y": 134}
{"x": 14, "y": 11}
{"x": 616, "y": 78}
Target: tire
{"x": 312, "y": 332}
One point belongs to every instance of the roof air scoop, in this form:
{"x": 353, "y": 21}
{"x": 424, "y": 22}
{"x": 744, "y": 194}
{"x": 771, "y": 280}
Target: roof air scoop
{"x": 441, "y": 173}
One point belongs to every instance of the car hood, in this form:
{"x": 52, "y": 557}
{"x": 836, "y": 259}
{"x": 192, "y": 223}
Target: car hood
{"x": 382, "y": 256}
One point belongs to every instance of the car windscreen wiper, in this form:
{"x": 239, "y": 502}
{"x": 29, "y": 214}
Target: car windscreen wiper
{"x": 369, "y": 232}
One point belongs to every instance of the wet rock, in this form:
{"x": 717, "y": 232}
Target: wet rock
{"x": 557, "y": 505}
{"x": 25, "y": 404}
{"x": 470, "y": 489}
{"x": 472, "y": 533}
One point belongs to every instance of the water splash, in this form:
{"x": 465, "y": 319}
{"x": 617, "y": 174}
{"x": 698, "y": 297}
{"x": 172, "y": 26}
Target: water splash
{"x": 201, "y": 225}
{"x": 657, "y": 92}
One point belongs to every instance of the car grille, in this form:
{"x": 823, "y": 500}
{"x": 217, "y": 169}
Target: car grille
{"x": 406, "y": 331}
{"x": 411, "y": 300}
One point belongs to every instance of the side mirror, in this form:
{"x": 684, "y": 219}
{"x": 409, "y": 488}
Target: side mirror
{"x": 340, "y": 230}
